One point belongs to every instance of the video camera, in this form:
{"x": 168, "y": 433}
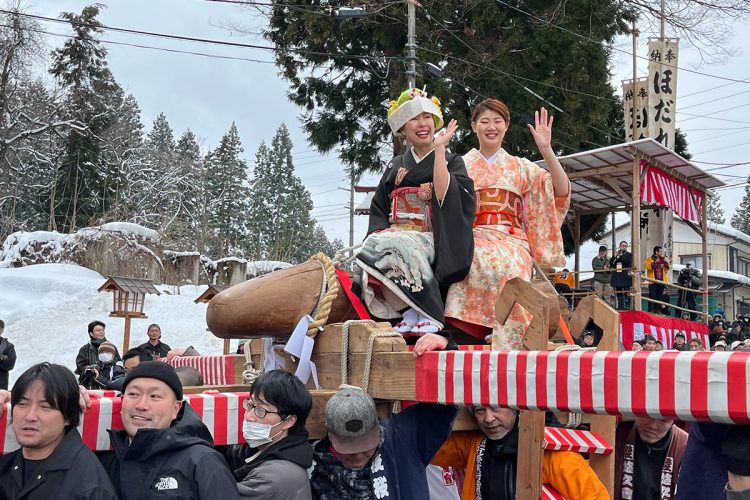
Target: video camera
{"x": 689, "y": 277}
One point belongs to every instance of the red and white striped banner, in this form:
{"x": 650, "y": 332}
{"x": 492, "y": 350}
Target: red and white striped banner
{"x": 550, "y": 493}
{"x": 222, "y": 413}
{"x": 561, "y": 439}
{"x": 692, "y": 386}
{"x": 634, "y": 325}
{"x": 660, "y": 188}
{"x": 216, "y": 369}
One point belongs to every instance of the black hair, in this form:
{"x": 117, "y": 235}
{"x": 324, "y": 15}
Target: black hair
{"x": 60, "y": 390}
{"x": 287, "y": 393}
{"x": 623, "y": 241}
{"x": 646, "y": 338}
{"x": 139, "y": 352}
{"x": 656, "y": 249}
{"x": 2, "y": 324}
{"x": 602, "y": 248}
{"x": 94, "y": 324}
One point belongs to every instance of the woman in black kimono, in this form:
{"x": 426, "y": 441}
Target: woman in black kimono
{"x": 420, "y": 233}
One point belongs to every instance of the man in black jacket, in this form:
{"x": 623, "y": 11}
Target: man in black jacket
{"x": 52, "y": 462}
{"x": 165, "y": 449}
{"x": 273, "y": 464}
{"x": 88, "y": 355}
{"x": 7, "y": 357}
{"x": 622, "y": 280}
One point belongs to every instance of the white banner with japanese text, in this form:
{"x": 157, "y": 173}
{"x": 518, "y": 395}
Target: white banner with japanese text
{"x": 635, "y": 97}
{"x": 662, "y": 90}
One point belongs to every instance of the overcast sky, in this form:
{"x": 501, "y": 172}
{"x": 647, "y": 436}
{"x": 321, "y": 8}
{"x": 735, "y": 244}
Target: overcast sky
{"x": 206, "y": 94}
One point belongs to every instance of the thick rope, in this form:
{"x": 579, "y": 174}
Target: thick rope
{"x": 368, "y": 357}
{"x": 328, "y": 293}
{"x": 339, "y": 259}
{"x": 250, "y": 373}
{"x": 345, "y": 345}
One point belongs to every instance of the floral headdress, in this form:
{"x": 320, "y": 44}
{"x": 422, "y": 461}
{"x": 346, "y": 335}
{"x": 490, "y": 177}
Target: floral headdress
{"x": 412, "y": 102}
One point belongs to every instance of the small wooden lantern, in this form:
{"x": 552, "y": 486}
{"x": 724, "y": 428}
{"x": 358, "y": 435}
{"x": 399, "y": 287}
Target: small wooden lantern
{"x": 205, "y": 298}
{"x": 129, "y": 296}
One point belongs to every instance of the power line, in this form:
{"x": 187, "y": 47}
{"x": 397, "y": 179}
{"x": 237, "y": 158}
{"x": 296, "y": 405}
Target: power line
{"x": 584, "y": 37}
{"x": 716, "y": 100}
{"x": 208, "y": 41}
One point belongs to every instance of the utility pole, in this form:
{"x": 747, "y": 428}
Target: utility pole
{"x": 411, "y": 44}
{"x": 351, "y": 212}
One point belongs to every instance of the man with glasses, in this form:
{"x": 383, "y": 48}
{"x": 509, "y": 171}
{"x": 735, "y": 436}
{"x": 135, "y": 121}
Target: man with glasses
{"x": 274, "y": 462}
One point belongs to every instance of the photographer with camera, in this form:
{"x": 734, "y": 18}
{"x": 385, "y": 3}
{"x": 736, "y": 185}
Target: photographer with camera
{"x": 7, "y": 357}
{"x": 106, "y": 371}
{"x": 689, "y": 277}
{"x": 87, "y": 361}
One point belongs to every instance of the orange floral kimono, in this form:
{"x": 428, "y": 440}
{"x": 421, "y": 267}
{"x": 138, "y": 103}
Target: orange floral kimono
{"x": 518, "y": 220}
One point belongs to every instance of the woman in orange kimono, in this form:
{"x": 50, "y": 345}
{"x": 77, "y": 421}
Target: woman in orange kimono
{"x": 520, "y": 208}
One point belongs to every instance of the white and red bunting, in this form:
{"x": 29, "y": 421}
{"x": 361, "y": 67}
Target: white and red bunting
{"x": 692, "y": 386}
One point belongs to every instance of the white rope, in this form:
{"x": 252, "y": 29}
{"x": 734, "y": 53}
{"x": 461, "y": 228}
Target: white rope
{"x": 250, "y": 373}
{"x": 345, "y": 345}
{"x": 368, "y": 358}
{"x": 574, "y": 420}
{"x": 339, "y": 258}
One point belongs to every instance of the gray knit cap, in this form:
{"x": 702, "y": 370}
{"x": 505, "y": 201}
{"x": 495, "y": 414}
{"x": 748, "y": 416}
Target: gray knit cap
{"x": 352, "y": 421}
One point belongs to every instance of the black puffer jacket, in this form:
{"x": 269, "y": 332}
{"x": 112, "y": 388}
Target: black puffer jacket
{"x": 7, "y": 361}
{"x": 71, "y": 472}
{"x": 178, "y": 462}
{"x": 278, "y": 473}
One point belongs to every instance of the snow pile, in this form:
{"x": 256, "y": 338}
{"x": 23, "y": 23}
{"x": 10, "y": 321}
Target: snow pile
{"x": 114, "y": 248}
{"x": 259, "y": 267}
{"x": 128, "y": 228}
{"x": 46, "y": 308}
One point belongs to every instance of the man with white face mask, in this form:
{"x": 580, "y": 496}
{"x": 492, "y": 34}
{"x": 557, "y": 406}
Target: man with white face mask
{"x": 274, "y": 463}
{"x": 106, "y": 370}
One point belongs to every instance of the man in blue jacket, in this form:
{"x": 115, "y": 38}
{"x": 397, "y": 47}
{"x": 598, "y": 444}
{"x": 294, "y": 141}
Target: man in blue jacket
{"x": 362, "y": 458}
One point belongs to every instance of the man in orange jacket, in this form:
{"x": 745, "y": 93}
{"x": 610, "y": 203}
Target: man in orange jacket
{"x": 492, "y": 452}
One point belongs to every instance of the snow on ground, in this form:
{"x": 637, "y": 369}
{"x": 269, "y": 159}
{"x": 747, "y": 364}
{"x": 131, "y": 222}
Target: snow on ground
{"x": 46, "y": 308}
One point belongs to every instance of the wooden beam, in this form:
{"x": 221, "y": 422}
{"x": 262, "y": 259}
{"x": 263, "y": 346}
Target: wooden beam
{"x": 694, "y": 227}
{"x": 635, "y": 232}
{"x": 583, "y": 174}
{"x": 617, "y": 189}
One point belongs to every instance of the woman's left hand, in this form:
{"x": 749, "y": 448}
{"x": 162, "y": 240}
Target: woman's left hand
{"x": 445, "y": 135}
{"x": 542, "y": 130}
{"x": 429, "y": 342}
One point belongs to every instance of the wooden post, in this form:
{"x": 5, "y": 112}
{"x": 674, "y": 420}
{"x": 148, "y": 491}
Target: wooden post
{"x": 126, "y": 335}
{"x": 226, "y": 346}
{"x": 704, "y": 252}
{"x": 577, "y": 237}
{"x": 635, "y": 217}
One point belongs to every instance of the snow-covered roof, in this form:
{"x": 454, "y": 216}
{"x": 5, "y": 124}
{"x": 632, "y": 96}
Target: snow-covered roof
{"x": 131, "y": 228}
{"x": 712, "y": 228}
{"x": 266, "y": 266}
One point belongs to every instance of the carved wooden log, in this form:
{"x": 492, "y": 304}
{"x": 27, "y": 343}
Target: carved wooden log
{"x": 271, "y": 305}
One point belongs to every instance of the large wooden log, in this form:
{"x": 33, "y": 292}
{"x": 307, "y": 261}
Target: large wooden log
{"x": 271, "y": 305}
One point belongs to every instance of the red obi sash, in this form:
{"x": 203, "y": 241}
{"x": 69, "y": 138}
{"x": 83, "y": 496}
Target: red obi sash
{"x": 499, "y": 206}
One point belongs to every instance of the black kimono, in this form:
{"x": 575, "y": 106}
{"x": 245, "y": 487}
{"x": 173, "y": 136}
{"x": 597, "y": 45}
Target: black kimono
{"x": 416, "y": 254}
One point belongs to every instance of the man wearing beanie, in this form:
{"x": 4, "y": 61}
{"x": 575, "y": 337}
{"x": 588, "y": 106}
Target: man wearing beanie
{"x": 165, "y": 449}
{"x": 88, "y": 355}
{"x": 362, "y": 458}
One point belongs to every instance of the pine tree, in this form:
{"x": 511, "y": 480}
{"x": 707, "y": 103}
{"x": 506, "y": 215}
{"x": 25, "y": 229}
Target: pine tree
{"x": 189, "y": 167}
{"x": 714, "y": 209}
{"x": 226, "y": 195}
{"x": 741, "y": 217}
{"x": 156, "y": 181}
{"x": 280, "y": 226}
{"x": 80, "y": 66}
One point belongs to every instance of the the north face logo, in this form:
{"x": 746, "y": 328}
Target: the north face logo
{"x": 166, "y": 483}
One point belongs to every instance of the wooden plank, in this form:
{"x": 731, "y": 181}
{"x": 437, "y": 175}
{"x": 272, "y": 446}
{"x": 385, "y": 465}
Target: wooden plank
{"x": 608, "y": 319}
{"x": 329, "y": 340}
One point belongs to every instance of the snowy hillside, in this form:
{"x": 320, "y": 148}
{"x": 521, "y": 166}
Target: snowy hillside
{"x": 46, "y": 308}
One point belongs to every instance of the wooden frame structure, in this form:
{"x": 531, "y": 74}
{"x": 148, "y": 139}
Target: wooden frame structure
{"x": 607, "y": 180}
{"x": 128, "y": 299}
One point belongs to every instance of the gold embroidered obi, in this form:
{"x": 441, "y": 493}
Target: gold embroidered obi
{"x": 411, "y": 208}
{"x": 499, "y": 206}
